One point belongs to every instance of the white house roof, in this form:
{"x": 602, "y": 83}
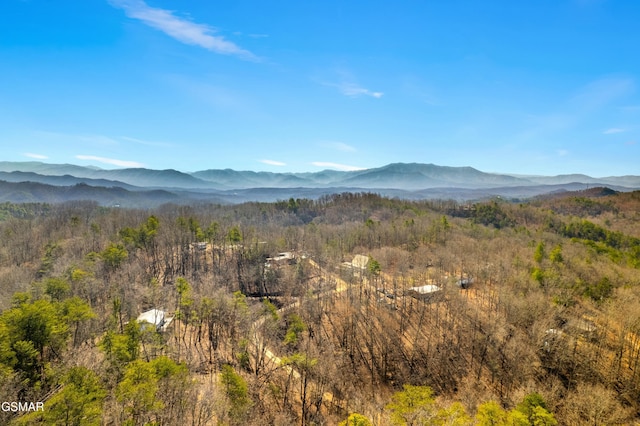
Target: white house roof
{"x": 426, "y": 289}
{"x": 287, "y": 255}
{"x": 156, "y": 317}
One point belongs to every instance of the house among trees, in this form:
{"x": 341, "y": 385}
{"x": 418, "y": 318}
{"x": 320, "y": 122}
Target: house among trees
{"x": 582, "y": 326}
{"x": 426, "y": 292}
{"x": 286, "y": 257}
{"x": 155, "y": 318}
{"x": 359, "y": 262}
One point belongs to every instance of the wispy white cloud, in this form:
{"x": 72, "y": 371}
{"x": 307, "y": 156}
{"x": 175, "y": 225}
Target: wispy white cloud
{"x": 36, "y": 156}
{"x": 342, "y": 167}
{"x": 111, "y": 161}
{"x": 273, "y": 162}
{"x": 612, "y": 131}
{"x": 93, "y": 139}
{"x": 416, "y": 88}
{"x": 241, "y": 34}
{"x": 601, "y": 92}
{"x": 353, "y": 90}
{"x": 181, "y": 29}
{"x": 225, "y": 99}
{"x": 98, "y": 139}
{"x": 340, "y": 146}
{"x": 562, "y": 152}
{"x": 143, "y": 142}
{"x": 348, "y": 86}
{"x": 584, "y": 103}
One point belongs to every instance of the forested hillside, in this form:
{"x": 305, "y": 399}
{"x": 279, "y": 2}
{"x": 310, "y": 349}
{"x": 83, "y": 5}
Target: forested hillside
{"x": 350, "y": 309}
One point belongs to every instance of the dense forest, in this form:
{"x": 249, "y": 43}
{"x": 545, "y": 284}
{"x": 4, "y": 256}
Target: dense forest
{"x": 352, "y": 309}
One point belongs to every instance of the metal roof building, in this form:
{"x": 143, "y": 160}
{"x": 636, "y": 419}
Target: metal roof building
{"x": 425, "y": 292}
{"x": 155, "y": 317}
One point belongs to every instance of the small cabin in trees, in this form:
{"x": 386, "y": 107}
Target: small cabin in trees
{"x": 360, "y": 262}
{"x": 582, "y": 326}
{"x": 425, "y": 293}
{"x": 286, "y": 257}
{"x": 155, "y": 318}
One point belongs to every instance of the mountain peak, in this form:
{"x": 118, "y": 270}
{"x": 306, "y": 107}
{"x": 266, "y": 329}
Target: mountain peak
{"x": 398, "y": 176}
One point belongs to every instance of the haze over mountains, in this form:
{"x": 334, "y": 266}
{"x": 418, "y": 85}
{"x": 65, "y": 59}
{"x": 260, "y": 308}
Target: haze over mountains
{"x": 37, "y": 181}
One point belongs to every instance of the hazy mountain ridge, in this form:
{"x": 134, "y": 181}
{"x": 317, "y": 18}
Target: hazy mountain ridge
{"x": 33, "y": 192}
{"x": 132, "y": 176}
{"x": 47, "y": 168}
{"x": 630, "y": 181}
{"x": 233, "y": 179}
{"x": 63, "y": 182}
{"x": 395, "y": 175}
{"x": 417, "y": 176}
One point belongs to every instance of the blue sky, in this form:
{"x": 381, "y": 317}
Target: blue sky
{"x": 529, "y": 87}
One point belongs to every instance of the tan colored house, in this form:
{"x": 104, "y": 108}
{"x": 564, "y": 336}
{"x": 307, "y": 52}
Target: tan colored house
{"x": 360, "y": 262}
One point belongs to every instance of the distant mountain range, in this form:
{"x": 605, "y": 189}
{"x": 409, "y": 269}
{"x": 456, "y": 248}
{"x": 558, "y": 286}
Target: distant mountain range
{"x": 36, "y": 181}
